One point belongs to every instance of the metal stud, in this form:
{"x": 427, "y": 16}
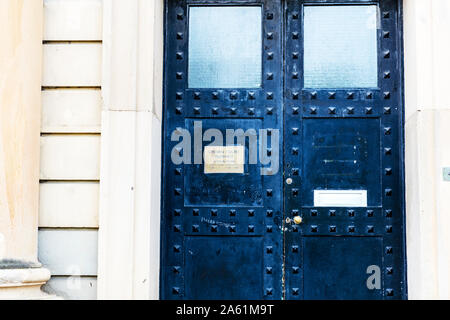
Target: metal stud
{"x": 197, "y": 95}
{"x": 177, "y": 191}
{"x": 232, "y": 213}
{"x": 332, "y": 213}
{"x": 269, "y": 95}
{"x": 177, "y": 212}
{"x": 387, "y": 75}
{"x": 214, "y": 228}
{"x": 295, "y": 270}
{"x": 179, "y": 55}
{"x": 295, "y": 192}
{"x": 295, "y": 291}
{"x": 214, "y": 212}
{"x": 269, "y": 76}
{"x": 313, "y": 95}
{"x": 269, "y": 270}
{"x": 179, "y": 35}
{"x": 251, "y": 111}
{"x": 386, "y": 15}
{"x": 177, "y": 228}
{"x": 388, "y": 192}
{"x": 351, "y": 229}
{"x": 269, "y": 16}
{"x": 387, "y": 95}
{"x": 197, "y": 110}
{"x": 314, "y": 229}
{"x": 295, "y": 35}
{"x": 295, "y": 15}
{"x": 195, "y": 228}
{"x": 233, "y": 95}
{"x": 175, "y": 290}
{"x": 232, "y": 228}
{"x": 351, "y": 213}
{"x": 270, "y": 55}
{"x": 295, "y": 110}
{"x": 215, "y": 110}
{"x": 370, "y": 229}
{"x": 295, "y": 151}
{"x": 332, "y": 110}
{"x": 332, "y": 228}
{"x": 269, "y": 111}
{"x": 387, "y": 151}
{"x": 179, "y": 75}
{"x": 388, "y": 171}
{"x": 179, "y": 95}
{"x": 369, "y": 110}
{"x": 269, "y": 229}
{"x": 295, "y": 131}
{"x": 295, "y": 55}
{"x": 178, "y": 110}
{"x": 313, "y": 110}
{"x": 350, "y": 110}
{"x": 251, "y": 213}
{"x": 390, "y": 292}
{"x": 269, "y": 291}
{"x": 215, "y": 95}
{"x": 386, "y": 34}
{"x": 370, "y": 213}
{"x": 196, "y": 212}
{"x": 233, "y": 111}
{"x": 387, "y": 110}
{"x": 331, "y": 95}
{"x": 269, "y": 213}
{"x": 389, "y": 270}
{"x": 177, "y": 248}
{"x": 269, "y": 35}
{"x": 295, "y": 95}
{"x": 388, "y": 213}
{"x": 387, "y": 131}
{"x": 295, "y": 249}
{"x": 295, "y": 171}
{"x": 178, "y": 171}
{"x": 389, "y": 229}
{"x": 269, "y": 249}
{"x": 350, "y": 95}
{"x": 369, "y": 95}
{"x": 314, "y": 213}
{"x": 269, "y": 192}
{"x": 389, "y": 250}
{"x": 386, "y": 54}
{"x": 179, "y": 15}
{"x": 295, "y": 75}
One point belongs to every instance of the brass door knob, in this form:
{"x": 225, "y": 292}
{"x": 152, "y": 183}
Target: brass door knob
{"x": 298, "y": 220}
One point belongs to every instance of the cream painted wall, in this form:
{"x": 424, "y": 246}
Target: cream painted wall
{"x": 20, "y": 104}
{"x": 427, "y": 69}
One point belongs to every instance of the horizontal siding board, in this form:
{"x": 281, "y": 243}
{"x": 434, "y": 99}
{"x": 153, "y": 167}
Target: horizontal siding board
{"x": 71, "y": 111}
{"x": 70, "y": 157}
{"x": 69, "y": 204}
{"x": 72, "y": 288}
{"x": 69, "y": 252}
{"x": 72, "y": 20}
{"x": 72, "y": 65}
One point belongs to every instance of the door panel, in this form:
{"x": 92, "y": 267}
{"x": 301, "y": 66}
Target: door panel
{"x": 221, "y": 231}
{"x": 344, "y": 136}
{"x": 326, "y": 76}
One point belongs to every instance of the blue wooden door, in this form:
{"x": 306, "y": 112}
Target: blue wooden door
{"x": 283, "y": 150}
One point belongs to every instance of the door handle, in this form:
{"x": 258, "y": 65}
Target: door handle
{"x": 296, "y": 220}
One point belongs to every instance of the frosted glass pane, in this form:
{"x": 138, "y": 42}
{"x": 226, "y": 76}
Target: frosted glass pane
{"x": 225, "y": 46}
{"x": 340, "y": 47}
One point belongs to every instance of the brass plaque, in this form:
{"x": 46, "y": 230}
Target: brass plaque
{"x": 229, "y": 159}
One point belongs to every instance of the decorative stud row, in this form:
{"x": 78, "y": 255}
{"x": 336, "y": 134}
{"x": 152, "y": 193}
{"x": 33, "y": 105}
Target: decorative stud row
{"x": 349, "y": 212}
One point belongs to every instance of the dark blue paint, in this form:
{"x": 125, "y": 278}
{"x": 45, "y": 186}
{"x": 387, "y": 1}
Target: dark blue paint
{"x": 218, "y": 242}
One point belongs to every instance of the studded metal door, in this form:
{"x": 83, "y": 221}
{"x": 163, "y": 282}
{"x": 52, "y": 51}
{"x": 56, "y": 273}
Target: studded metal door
{"x": 233, "y": 235}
